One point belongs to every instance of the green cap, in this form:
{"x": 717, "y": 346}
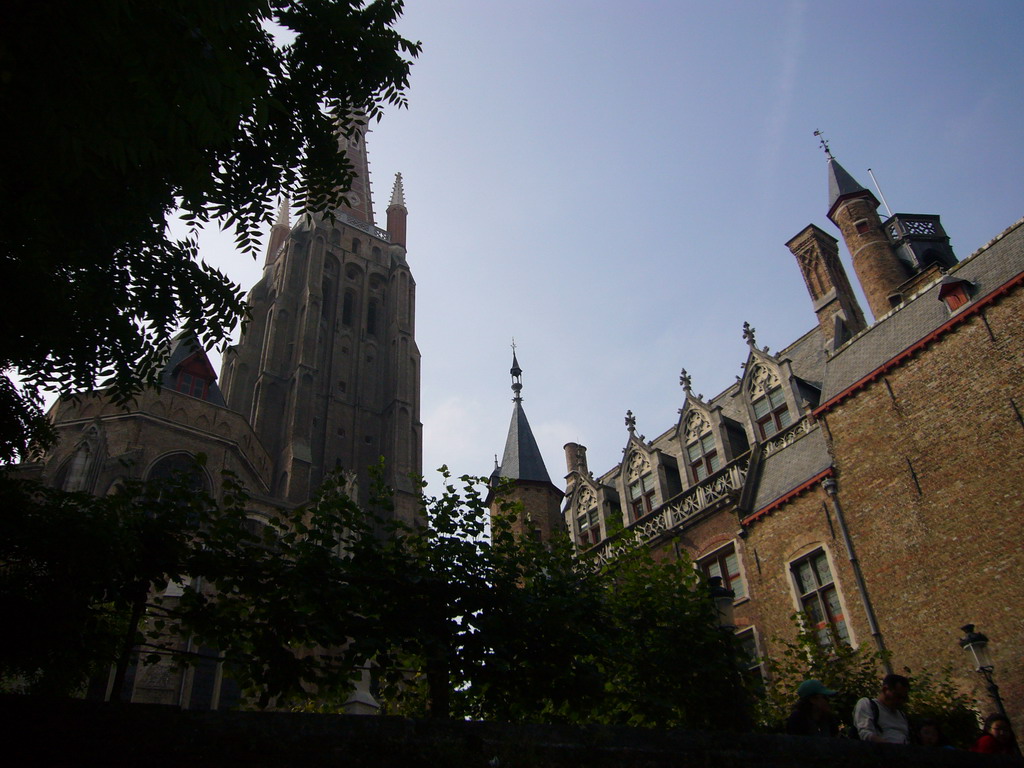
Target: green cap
{"x": 813, "y": 688}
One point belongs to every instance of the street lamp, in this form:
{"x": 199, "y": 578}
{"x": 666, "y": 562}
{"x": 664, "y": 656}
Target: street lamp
{"x": 723, "y": 598}
{"x": 976, "y": 645}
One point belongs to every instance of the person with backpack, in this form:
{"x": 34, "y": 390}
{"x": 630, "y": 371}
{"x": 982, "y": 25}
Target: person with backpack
{"x": 882, "y": 719}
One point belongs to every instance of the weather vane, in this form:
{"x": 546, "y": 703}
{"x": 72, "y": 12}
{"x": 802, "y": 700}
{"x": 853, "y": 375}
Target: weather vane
{"x": 824, "y": 144}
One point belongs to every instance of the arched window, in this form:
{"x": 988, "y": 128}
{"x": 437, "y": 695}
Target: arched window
{"x": 701, "y": 450}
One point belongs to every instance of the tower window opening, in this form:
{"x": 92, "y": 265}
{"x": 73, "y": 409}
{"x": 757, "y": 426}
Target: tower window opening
{"x": 862, "y": 226}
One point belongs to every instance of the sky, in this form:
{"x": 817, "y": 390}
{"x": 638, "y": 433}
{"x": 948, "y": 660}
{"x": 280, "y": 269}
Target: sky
{"x": 612, "y": 185}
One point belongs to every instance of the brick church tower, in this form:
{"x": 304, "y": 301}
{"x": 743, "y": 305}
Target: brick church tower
{"x": 327, "y": 370}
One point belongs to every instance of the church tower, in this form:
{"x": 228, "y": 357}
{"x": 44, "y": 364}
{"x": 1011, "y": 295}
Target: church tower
{"x": 523, "y": 466}
{"x": 327, "y": 370}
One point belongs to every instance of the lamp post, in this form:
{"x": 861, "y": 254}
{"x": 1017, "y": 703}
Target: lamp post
{"x": 976, "y": 646}
{"x": 723, "y": 598}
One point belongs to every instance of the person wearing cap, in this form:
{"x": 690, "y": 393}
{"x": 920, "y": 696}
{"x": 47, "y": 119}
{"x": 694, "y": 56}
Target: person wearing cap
{"x": 812, "y": 715}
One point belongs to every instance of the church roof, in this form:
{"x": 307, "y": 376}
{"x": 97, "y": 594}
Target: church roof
{"x": 522, "y": 459}
{"x": 186, "y": 350}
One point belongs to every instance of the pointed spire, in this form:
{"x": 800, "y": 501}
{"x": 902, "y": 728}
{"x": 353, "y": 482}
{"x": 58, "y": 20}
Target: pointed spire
{"x": 841, "y": 185}
{"x": 522, "y": 459}
{"x": 517, "y": 376}
{"x": 397, "y": 192}
{"x": 284, "y": 214}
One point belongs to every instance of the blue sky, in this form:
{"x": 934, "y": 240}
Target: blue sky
{"x": 613, "y": 185}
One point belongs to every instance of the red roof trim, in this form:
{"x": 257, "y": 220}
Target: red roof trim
{"x": 921, "y": 344}
{"x": 788, "y": 496}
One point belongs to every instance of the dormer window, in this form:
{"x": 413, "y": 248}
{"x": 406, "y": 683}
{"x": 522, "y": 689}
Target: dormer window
{"x": 954, "y": 292}
{"x": 588, "y": 526}
{"x": 702, "y": 456}
{"x": 771, "y": 412}
{"x": 194, "y": 377}
{"x": 193, "y": 386}
{"x": 641, "y": 496}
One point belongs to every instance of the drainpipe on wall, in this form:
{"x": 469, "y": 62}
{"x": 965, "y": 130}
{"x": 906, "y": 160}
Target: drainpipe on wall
{"x": 829, "y": 484}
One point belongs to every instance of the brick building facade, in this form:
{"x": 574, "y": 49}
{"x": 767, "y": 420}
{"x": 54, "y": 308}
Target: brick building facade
{"x": 868, "y": 474}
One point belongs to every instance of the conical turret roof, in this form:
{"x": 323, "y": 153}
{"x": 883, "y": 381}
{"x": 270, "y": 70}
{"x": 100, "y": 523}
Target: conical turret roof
{"x": 522, "y": 459}
{"x": 842, "y": 185}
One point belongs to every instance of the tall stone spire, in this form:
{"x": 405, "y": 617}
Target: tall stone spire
{"x": 522, "y": 467}
{"x": 360, "y": 201}
{"x": 397, "y": 212}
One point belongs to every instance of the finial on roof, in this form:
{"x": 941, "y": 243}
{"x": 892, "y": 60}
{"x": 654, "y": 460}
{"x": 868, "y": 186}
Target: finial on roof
{"x": 516, "y": 373}
{"x": 748, "y": 335}
{"x": 630, "y": 422}
{"x": 495, "y": 462}
{"x": 685, "y": 381}
{"x": 398, "y": 191}
{"x": 824, "y": 144}
{"x": 284, "y": 214}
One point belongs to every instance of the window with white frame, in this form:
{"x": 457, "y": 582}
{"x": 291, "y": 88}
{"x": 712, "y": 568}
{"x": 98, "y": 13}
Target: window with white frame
{"x": 819, "y": 597}
{"x": 725, "y": 562}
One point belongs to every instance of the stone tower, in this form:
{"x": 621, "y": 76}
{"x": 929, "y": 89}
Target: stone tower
{"x": 327, "y": 370}
{"x": 523, "y": 465}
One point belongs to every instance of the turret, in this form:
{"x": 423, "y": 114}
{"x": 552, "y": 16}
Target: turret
{"x": 522, "y": 467}
{"x": 853, "y": 209}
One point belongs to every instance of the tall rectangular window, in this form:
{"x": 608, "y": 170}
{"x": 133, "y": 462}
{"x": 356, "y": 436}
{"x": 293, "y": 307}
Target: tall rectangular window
{"x": 819, "y": 598}
{"x": 725, "y": 563}
{"x": 702, "y": 456}
{"x": 771, "y": 413}
{"x": 641, "y": 496}
{"x": 588, "y": 524}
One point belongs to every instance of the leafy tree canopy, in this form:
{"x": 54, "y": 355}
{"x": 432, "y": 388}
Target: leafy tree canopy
{"x": 116, "y": 114}
{"x": 452, "y": 622}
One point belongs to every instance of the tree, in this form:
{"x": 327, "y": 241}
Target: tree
{"x": 115, "y": 115}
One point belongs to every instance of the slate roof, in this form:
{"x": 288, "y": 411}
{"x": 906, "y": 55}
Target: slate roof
{"x": 988, "y": 269}
{"x": 841, "y": 184}
{"x": 522, "y": 459}
{"x": 788, "y": 468}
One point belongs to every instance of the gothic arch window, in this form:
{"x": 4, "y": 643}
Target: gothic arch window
{"x": 335, "y": 236}
{"x": 640, "y": 488}
{"x": 702, "y": 456}
{"x": 352, "y": 271}
{"x": 771, "y": 412}
{"x": 376, "y": 252}
{"x": 356, "y": 245}
{"x": 180, "y": 465}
